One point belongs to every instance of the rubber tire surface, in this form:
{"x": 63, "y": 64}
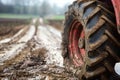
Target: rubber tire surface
{"x": 102, "y": 40}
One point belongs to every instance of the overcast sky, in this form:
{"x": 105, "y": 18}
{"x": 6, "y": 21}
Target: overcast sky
{"x": 61, "y": 3}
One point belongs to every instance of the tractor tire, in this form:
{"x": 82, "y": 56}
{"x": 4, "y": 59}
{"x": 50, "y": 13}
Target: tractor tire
{"x": 101, "y": 40}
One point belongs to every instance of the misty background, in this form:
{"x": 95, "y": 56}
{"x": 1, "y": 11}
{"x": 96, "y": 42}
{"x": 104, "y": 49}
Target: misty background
{"x": 40, "y": 8}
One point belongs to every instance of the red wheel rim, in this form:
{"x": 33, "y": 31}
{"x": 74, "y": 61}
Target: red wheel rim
{"x": 76, "y": 54}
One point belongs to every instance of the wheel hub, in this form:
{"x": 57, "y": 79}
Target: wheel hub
{"x": 77, "y": 43}
{"x": 81, "y": 43}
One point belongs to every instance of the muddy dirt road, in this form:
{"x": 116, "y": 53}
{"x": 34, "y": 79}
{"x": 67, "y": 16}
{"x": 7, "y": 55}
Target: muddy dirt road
{"x": 33, "y": 53}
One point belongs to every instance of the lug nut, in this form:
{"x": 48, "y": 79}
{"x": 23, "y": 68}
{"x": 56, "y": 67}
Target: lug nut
{"x": 81, "y": 43}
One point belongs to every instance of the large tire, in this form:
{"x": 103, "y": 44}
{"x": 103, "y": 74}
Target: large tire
{"x": 102, "y": 41}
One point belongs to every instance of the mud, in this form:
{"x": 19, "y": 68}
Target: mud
{"x": 33, "y": 53}
{"x": 9, "y": 30}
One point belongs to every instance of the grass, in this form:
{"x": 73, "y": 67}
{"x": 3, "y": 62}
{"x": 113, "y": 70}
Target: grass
{"x": 17, "y": 16}
{"x": 58, "y": 17}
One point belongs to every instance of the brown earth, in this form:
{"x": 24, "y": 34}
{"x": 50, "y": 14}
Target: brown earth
{"x": 36, "y": 55}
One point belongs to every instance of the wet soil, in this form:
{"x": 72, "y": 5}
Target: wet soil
{"x": 38, "y": 56}
{"x": 7, "y": 31}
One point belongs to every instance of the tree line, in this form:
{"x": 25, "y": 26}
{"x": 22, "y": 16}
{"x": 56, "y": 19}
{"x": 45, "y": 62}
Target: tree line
{"x": 32, "y": 7}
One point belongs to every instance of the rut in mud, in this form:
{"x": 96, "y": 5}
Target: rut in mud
{"x": 34, "y": 52}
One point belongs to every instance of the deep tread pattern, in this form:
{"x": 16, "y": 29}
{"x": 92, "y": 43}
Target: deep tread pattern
{"x": 112, "y": 53}
{"x": 87, "y": 4}
{"x": 93, "y": 13}
{"x": 108, "y": 66}
{"x": 103, "y": 40}
{"x": 109, "y": 21}
{"x": 97, "y": 60}
{"x": 106, "y": 10}
{"x": 98, "y": 43}
{"x": 94, "y": 73}
{"x": 100, "y": 19}
{"x": 98, "y": 25}
{"x": 112, "y": 38}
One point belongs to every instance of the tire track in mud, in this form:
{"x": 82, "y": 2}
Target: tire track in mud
{"x": 40, "y": 58}
{"x": 16, "y": 37}
{"x": 16, "y": 48}
{"x": 51, "y": 40}
{"x": 11, "y": 47}
{"x": 6, "y": 44}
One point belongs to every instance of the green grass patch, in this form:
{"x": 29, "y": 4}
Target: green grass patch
{"x": 58, "y": 17}
{"x": 17, "y": 16}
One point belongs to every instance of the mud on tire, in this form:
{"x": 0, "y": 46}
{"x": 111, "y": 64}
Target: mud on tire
{"x": 102, "y": 41}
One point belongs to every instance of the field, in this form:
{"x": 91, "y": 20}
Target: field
{"x": 9, "y": 27}
{"x": 55, "y": 21}
{"x": 58, "y": 17}
{"x": 28, "y": 52}
{"x": 17, "y": 16}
